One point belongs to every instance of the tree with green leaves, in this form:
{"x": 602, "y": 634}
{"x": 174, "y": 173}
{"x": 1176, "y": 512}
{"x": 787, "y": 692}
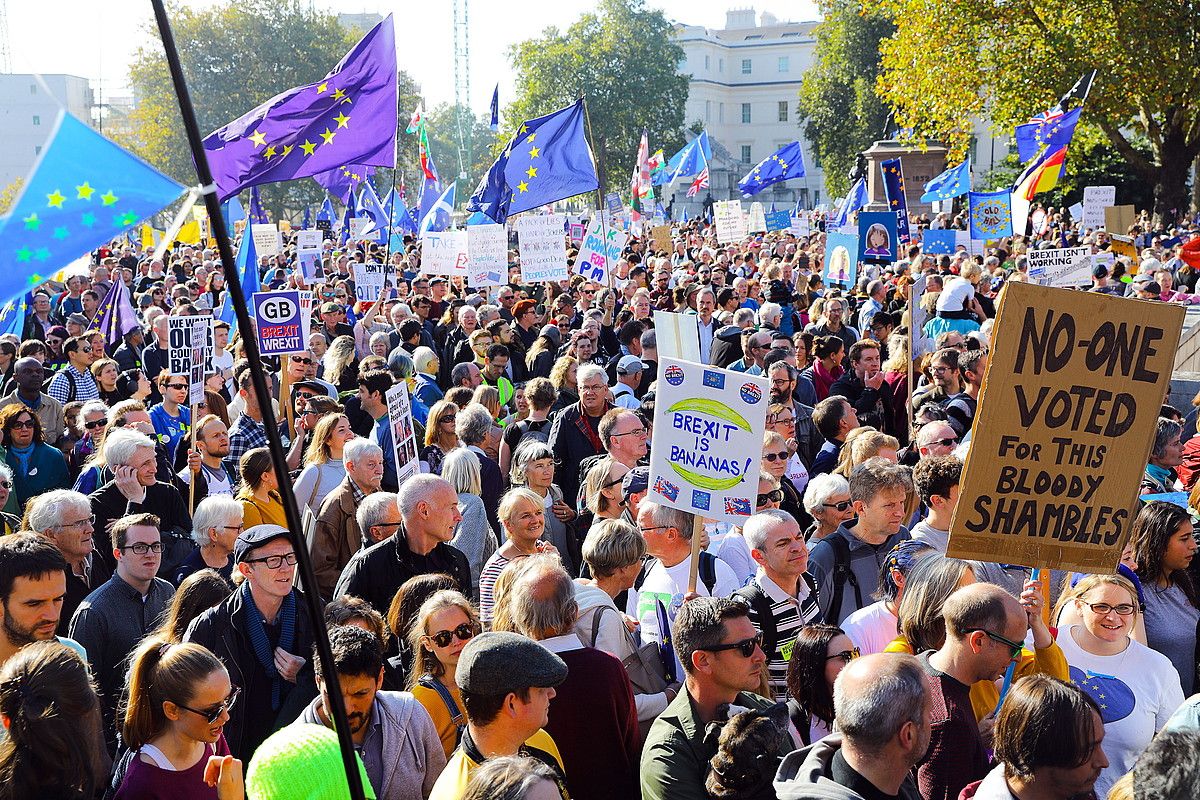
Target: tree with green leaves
{"x": 624, "y": 59}
{"x": 951, "y": 60}
{"x": 8, "y": 195}
{"x": 841, "y": 113}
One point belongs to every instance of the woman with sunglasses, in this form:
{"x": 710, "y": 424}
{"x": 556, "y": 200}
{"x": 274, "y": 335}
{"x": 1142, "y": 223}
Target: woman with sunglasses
{"x": 172, "y": 417}
{"x": 775, "y": 462}
{"x": 179, "y": 696}
{"x": 730, "y": 546}
{"x": 440, "y": 435}
{"x": 444, "y": 625}
{"x": 819, "y": 655}
{"x": 9, "y": 523}
{"x": 781, "y": 418}
{"x": 602, "y": 488}
{"x": 1136, "y": 687}
{"x": 37, "y": 467}
{"x": 827, "y": 500}
{"x": 92, "y": 421}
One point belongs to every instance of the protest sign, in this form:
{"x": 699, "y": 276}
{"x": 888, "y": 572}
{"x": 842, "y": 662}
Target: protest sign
{"x": 363, "y": 228}
{"x": 1119, "y": 219}
{"x": 778, "y": 220}
{"x": 678, "y": 336}
{"x": 268, "y": 241}
{"x": 308, "y": 253}
{"x": 730, "y": 221}
{"x": 444, "y": 253}
{"x": 799, "y": 225}
{"x": 708, "y": 432}
{"x": 757, "y": 219}
{"x": 1037, "y": 221}
{"x": 1061, "y": 266}
{"x": 278, "y": 322}
{"x": 937, "y": 242}
{"x": 368, "y": 281}
{"x": 487, "y": 255}
{"x": 306, "y": 306}
{"x": 404, "y": 441}
{"x": 1076, "y": 212}
{"x": 602, "y": 246}
{"x": 921, "y": 344}
{"x": 542, "y": 247}
{"x": 179, "y": 345}
{"x": 1095, "y": 200}
{"x": 325, "y": 227}
{"x": 841, "y": 260}
{"x": 877, "y": 237}
{"x": 1124, "y": 246}
{"x": 1064, "y": 427}
{"x": 576, "y": 231}
{"x": 660, "y": 235}
{"x": 612, "y": 202}
{"x": 201, "y": 334}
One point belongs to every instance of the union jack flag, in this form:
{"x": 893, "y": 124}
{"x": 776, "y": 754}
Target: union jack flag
{"x": 738, "y": 506}
{"x": 666, "y": 489}
{"x": 700, "y": 182}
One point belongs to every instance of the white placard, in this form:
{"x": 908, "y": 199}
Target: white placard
{"x": 678, "y": 336}
{"x": 363, "y": 228}
{"x": 1095, "y": 200}
{"x": 444, "y": 253}
{"x": 730, "y": 221}
{"x": 487, "y": 255}
{"x": 306, "y": 306}
{"x": 268, "y": 241}
{"x": 308, "y": 253}
{"x": 708, "y": 431}
{"x": 602, "y": 246}
{"x": 1061, "y": 266}
{"x": 404, "y": 440}
{"x": 757, "y": 222}
{"x": 201, "y": 337}
{"x": 800, "y": 225}
{"x": 179, "y": 345}
{"x": 368, "y": 282}
{"x": 1076, "y": 212}
{"x": 542, "y": 244}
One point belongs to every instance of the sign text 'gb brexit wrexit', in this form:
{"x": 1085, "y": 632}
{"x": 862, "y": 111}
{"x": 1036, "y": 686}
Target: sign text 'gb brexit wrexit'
{"x": 280, "y": 327}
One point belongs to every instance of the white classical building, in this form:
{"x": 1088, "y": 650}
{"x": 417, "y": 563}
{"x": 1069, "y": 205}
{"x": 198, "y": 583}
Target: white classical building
{"x": 27, "y": 115}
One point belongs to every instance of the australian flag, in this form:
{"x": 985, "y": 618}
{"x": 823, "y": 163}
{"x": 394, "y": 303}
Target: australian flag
{"x": 666, "y": 489}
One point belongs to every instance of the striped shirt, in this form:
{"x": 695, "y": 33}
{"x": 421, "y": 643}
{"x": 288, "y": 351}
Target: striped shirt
{"x": 789, "y": 614}
{"x": 71, "y": 384}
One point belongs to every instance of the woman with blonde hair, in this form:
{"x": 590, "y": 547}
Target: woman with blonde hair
{"x": 864, "y": 443}
{"x": 444, "y": 625}
{"x": 521, "y": 515}
{"x": 440, "y": 436}
{"x": 602, "y": 488}
{"x": 473, "y": 536}
{"x": 563, "y": 377}
{"x": 323, "y": 465}
{"x": 340, "y": 364}
{"x": 489, "y": 398}
{"x": 259, "y": 492}
{"x": 895, "y": 374}
{"x": 533, "y": 466}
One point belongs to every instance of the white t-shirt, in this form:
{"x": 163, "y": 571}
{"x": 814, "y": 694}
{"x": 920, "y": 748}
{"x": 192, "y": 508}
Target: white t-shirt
{"x": 871, "y": 628}
{"x": 956, "y": 293}
{"x": 1137, "y": 692}
{"x": 735, "y": 551}
{"x": 797, "y": 474}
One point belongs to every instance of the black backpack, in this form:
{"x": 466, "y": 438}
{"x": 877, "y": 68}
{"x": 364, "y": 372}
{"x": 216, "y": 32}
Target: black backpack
{"x": 707, "y": 573}
{"x": 841, "y": 574}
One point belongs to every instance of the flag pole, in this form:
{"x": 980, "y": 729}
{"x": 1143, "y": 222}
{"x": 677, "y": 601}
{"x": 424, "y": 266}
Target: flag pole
{"x": 337, "y": 710}
{"x": 587, "y": 120}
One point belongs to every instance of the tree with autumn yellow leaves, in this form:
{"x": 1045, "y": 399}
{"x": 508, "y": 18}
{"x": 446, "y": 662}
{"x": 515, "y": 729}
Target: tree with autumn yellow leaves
{"x": 950, "y": 60}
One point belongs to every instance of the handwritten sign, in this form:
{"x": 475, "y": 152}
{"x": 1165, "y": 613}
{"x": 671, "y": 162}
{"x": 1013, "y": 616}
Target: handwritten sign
{"x": 730, "y": 221}
{"x": 543, "y": 248}
{"x": 799, "y": 226}
{"x": 601, "y": 247}
{"x": 1061, "y": 266}
{"x": 278, "y": 320}
{"x": 1064, "y": 428}
{"x": 404, "y": 440}
{"x": 708, "y": 432}
{"x": 660, "y": 236}
{"x": 444, "y": 253}
{"x": 1095, "y": 200}
{"x": 268, "y": 241}
{"x": 487, "y": 255}
{"x": 368, "y": 281}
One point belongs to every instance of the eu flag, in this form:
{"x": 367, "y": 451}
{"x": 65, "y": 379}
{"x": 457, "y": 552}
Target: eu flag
{"x": 689, "y": 161}
{"x": 893, "y": 191}
{"x": 548, "y": 159}
{"x": 494, "y": 124}
{"x": 991, "y": 214}
{"x": 952, "y": 183}
{"x": 258, "y": 215}
{"x": 348, "y": 117}
{"x": 855, "y": 200}
{"x": 115, "y": 316}
{"x": 785, "y": 163}
{"x": 1055, "y": 133}
{"x": 83, "y": 192}
{"x": 12, "y": 315}
{"x": 341, "y": 182}
{"x": 326, "y": 213}
{"x": 246, "y": 264}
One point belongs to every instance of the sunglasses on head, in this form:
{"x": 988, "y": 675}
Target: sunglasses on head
{"x": 463, "y": 632}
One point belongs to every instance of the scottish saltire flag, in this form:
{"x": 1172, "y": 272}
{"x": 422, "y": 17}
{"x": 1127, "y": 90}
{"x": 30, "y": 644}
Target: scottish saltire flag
{"x": 431, "y": 190}
{"x": 370, "y": 208}
{"x": 326, "y": 213}
{"x": 893, "y": 191}
{"x": 494, "y": 124}
{"x": 348, "y": 117}
{"x": 785, "y": 163}
{"x": 439, "y": 215}
{"x": 690, "y": 159}
{"x": 341, "y": 182}
{"x": 991, "y": 214}
{"x": 401, "y": 222}
{"x": 548, "y": 159}
{"x": 855, "y": 200}
{"x": 258, "y": 214}
{"x": 84, "y": 191}
{"x": 952, "y": 183}
{"x": 115, "y": 316}
{"x": 1054, "y": 133}
{"x": 246, "y": 264}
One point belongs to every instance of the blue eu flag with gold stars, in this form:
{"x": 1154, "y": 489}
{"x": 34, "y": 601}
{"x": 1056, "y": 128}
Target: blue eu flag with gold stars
{"x": 83, "y": 192}
{"x": 547, "y": 160}
{"x": 785, "y": 163}
{"x": 893, "y": 191}
{"x": 348, "y": 117}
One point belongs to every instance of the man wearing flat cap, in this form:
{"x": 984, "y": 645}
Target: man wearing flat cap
{"x": 507, "y": 683}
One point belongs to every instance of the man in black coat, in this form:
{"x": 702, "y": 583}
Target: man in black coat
{"x": 575, "y": 432}
{"x": 863, "y": 384}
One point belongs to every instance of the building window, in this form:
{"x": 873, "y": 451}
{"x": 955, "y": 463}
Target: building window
{"x": 783, "y": 110}
{"x": 708, "y": 110}
{"x": 745, "y": 113}
{"x": 37, "y": 149}
{"x": 816, "y": 197}
{"x": 33, "y": 88}
{"x": 745, "y": 154}
{"x": 746, "y": 66}
{"x": 784, "y": 64}
{"x": 720, "y": 65}
{"x": 720, "y": 112}
{"x": 707, "y": 63}
{"x": 37, "y": 120}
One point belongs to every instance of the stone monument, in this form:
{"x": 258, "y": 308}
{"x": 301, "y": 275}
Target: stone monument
{"x": 921, "y": 165}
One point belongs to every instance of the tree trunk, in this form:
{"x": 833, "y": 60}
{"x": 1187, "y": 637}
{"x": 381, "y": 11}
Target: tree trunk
{"x": 1196, "y": 183}
{"x": 1170, "y": 185}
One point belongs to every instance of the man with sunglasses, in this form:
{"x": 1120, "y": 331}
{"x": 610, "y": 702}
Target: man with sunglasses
{"x": 985, "y": 628}
{"x": 75, "y": 381}
{"x": 260, "y": 632}
{"x": 119, "y": 613}
{"x": 936, "y": 438}
{"x": 29, "y": 375}
{"x": 722, "y": 663}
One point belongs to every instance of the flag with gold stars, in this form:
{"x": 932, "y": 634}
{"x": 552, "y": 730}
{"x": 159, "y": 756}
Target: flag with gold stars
{"x": 785, "y": 163}
{"x": 548, "y": 159}
{"x": 83, "y": 192}
{"x": 893, "y": 193}
{"x": 348, "y": 117}
{"x": 342, "y": 181}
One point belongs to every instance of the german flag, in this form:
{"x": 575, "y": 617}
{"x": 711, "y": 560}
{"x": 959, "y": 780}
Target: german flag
{"x": 1042, "y": 174}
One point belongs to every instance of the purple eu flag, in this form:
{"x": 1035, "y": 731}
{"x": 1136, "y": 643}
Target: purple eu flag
{"x": 115, "y": 316}
{"x": 342, "y": 181}
{"x": 348, "y": 117}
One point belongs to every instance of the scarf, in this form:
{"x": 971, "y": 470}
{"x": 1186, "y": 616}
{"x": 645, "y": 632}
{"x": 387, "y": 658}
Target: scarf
{"x": 1162, "y": 475}
{"x": 24, "y": 456}
{"x": 823, "y": 379}
{"x": 256, "y": 629}
{"x": 584, "y": 424}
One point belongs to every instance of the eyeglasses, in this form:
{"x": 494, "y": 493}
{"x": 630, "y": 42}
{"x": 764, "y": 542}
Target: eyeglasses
{"x": 462, "y": 633}
{"x": 746, "y": 646}
{"x": 1122, "y": 609}
{"x": 23, "y": 423}
{"x": 789, "y": 420}
{"x": 773, "y": 457}
{"x": 842, "y": 506}
{"x": 141, "y": 548}
{"x": 948, "y": 442}
{"x": 445, "y": 419}
{"x": 213, "y": 714}
{"x": 177, "y": 386}
{"x": 5, "y": 485}
{"x": 79, "y": 523}
{"x": 96, "y": 423}
{"x": 274, "y": 562}
{"x": 845, "y": 655}
{"x": 638, "y": 432}
{"x": 773, "y": 496}
{"x": 1014, "y": 647}
{"x": 655, "y": 528}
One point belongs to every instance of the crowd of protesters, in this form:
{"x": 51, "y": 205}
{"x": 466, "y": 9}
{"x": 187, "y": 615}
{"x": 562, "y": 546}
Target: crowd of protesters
{"x": 515, "y": 620}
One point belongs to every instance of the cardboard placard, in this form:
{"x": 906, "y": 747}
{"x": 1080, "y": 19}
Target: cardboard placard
{"x": 487, "y": 255}
{"x": 678, "y": 336}
{"x": 404, "y": 440}
{"x": 1061, "y": 266}
{"x": 1119, "y": 219}
{"x": 1124, "y": 246}
{"x": 601, "y": 247}
{"x": 179, "y": 345}
{"x": 1064, "y": 428}
{"x": 542, "y": 245}
{"x": 268, "y": 241}
{"x": 277, "y": 318}
{"x": 369, "y": 280}
{"x": 707, "y": 446}
{"x": 1095, "y": 200}
{"x": 444, "y": 253}
{"x": 730, "y": 221}
{"x": 660, "y": 236}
